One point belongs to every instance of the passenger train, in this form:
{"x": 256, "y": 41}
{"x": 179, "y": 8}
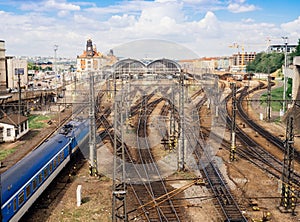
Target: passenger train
{"x": 23, "y": 183}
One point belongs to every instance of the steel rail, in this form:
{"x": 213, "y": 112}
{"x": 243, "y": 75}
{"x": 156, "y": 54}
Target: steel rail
{"x": 142, "y": 131}
{"x": 263, "y": 132}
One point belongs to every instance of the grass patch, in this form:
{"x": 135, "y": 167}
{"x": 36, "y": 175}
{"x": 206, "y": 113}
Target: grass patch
{"x": 38, "y": 121}
{"x": 276, "y": 94}
{"x": 104, "y": 178}
{"x": 7, "y": 152}
{"x": 185, "y": 174}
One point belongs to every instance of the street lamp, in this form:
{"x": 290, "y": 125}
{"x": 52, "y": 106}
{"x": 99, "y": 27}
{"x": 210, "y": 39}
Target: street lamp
{"x": 284, "y": 74}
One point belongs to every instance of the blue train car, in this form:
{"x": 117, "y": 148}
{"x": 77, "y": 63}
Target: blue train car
{"x": 23, "y": 183}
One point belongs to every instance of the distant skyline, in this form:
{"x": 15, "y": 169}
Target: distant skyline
{"x": 206, "y": 27}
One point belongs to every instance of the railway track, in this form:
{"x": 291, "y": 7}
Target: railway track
{"x": 251, "y": 150}
{"x": 257, "y": 155}
{"x": 225, "y": 201}
{"x": 263, "y": 132}
{"x": 146, "y": 190}
{"x": 150, "y": 190}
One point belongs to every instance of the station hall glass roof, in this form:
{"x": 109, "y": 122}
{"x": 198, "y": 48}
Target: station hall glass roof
{"x": 159, "y": 66}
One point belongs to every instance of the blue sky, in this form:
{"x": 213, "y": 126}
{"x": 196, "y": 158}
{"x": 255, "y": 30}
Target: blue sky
{"x": 207, "y": 27}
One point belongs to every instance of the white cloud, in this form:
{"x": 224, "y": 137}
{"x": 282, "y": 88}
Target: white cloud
{"x": 125, "y": 20}
{"x": 61, "y": 5}
{"x": 208, "y": 35}
{"x": 248, "y": 20}
{"x": 49, "y": 5}
{"x": 209, "y": 25}
{"x": 238, "y": 8}
{"x": 292, "y": 30}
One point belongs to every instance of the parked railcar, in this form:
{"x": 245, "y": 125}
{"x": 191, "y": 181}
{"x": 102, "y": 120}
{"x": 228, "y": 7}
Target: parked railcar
{"x": 23, "y": 183}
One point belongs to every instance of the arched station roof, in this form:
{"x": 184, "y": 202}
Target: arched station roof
{"x": 159, "y": 66}
{"x": 164, "y": 63}
{"x": 128, "y": 64}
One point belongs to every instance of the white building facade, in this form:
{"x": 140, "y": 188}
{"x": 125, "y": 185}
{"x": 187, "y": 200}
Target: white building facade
{"x": 16, "y": 68}
{"x": 13, "y": 127}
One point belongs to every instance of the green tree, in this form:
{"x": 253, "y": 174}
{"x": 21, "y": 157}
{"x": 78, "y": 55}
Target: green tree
{"x": 32, "y": 66}
{"x": 266, "y": 62}
{"x": 297, "y": 52}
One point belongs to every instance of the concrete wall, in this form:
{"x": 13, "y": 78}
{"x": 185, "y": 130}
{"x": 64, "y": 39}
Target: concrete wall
{"x": 295, "y": 110}
{"x": 296, "y": 80}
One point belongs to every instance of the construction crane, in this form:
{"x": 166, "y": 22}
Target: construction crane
{"x": 235, "y": 45}
{"x": 241, "y": 63}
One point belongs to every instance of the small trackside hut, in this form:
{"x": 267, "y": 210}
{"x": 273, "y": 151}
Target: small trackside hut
{"x": 12, "y": 127}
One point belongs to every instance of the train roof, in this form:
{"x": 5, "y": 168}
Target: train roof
{"x": 13, "y": 179}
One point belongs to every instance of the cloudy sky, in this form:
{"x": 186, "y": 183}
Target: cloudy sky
{"x": 207, "y": 27}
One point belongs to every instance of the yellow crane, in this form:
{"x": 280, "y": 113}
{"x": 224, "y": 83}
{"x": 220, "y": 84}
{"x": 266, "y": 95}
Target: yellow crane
{"x": 235, "y": 45}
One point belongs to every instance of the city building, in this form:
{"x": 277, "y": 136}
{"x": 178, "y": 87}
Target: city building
{"x": 11, "y": 69}
{"x": 207, "y": 64}
{"x": 280, "y": 48}
{"x": 16, "y": 69}
{"x": 240, "y": 61}
{"x": 92, "y": 60}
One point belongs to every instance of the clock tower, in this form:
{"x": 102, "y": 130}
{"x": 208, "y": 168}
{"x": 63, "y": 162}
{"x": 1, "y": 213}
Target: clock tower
{"x": 89, "y": 48}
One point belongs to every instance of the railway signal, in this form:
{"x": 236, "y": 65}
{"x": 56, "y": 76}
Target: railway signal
{"x": 181, "y": 149}
{"x": 171, "y": 142}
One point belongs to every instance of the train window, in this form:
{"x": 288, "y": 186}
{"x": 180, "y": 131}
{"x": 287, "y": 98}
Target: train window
{"x": 40, "y": 178}
{"x": 54, "y": 163}
{"x": 45, "y": 172}
{"x": 28, "y": 190}
{"x": 58, "y": 159}
{"x": 21, "y": 198}
{"x": 62, "y": 155}
{"x": 50, "y": 167}
{"x": 34, "y": 183}
{"x": 15, "y": 204}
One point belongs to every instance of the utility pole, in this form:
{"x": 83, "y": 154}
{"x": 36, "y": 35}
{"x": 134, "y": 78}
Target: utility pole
{"x": 172, "y": 134}
{"x": 284, "y": 75}
{"x": 269, "y": 96}
{"x": 64, "y": 89}
{"x": 233, "y": 123}
{"x": 119, "y": 208}
{"x": 18, "y": 72}
{"x": 288, "y": 197}
{"x": 181, "y": 150}
{"x": 55, "y": 69}
{"x": 92, "y": 135}
{"x": 217, "y": 96}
